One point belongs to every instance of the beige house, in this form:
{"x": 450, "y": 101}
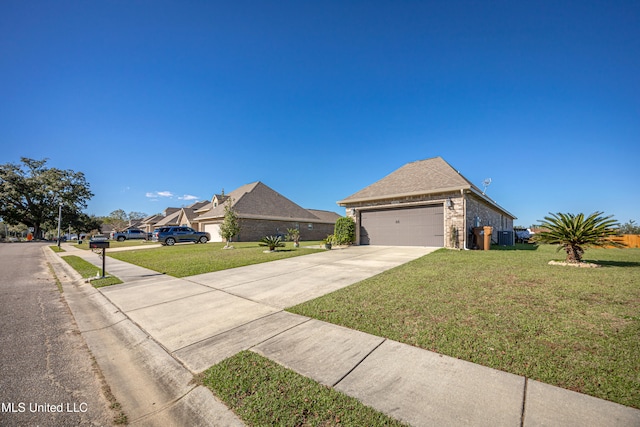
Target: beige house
{"x": 426, "y": 203}
{"x": 264, "y": 212}
{"x": 188, "y": 214}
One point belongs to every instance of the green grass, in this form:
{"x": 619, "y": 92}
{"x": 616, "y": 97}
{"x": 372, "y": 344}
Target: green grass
{"x": 55, "y": 248}
{"x": 88, "y": 270}
{"x": 577, "y": 328}
{"x": 116, "y": 244}
{"x": 191, "y": 259}
{"x": 263, "y": 393}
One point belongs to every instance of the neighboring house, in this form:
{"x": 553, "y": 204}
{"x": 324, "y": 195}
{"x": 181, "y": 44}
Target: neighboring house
{"x": 170, "y": 219}
{"x": 150, "y": 223}
{"x": 425, "y": 203}
{"x": 264, "y": 212}
{"x": 189, "y": 213}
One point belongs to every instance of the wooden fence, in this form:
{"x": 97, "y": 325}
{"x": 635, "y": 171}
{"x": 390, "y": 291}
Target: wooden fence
{"x": 630, "y": 240}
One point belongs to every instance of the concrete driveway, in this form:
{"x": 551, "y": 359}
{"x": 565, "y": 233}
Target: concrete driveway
{"x": 201, "y": 320}
{"x": 206, "y": 318}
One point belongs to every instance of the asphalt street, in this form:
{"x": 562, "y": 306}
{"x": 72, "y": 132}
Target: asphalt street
{"x": 47, "y": 376}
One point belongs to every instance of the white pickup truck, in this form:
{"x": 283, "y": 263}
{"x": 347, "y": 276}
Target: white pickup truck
{"x": 130, "y": 235}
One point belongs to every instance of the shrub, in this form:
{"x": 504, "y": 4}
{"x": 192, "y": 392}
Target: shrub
{"x": 345, "y": 231}
{"x": 293, "y": 234}
{"x": 272, "y": 242}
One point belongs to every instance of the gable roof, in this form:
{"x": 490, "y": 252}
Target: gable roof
{"x": 171, "y": 219}
{"x": 328, "y": 216}
{"x": 258, "y": 201}
{"x": 189, "y": 213}
{"x": 423, "y": 177}
{"x": 416, "y": 178}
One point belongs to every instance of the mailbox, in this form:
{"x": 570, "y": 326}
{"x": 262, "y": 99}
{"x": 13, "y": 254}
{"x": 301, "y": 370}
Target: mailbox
{"x": 98, "y": 244}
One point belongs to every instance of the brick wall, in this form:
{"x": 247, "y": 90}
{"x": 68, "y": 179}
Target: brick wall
{"x": 477, "y": 207}
{"x": 252, "y": 230}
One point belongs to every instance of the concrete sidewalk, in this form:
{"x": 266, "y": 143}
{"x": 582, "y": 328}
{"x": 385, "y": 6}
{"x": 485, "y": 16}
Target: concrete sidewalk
{"x": 201, "y": 320}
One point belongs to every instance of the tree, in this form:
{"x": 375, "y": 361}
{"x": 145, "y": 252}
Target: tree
{"x": 230, "y": 226}
{"x": 120, "y": 220}
{"x": 574, "y": 233}
{"x": 117, "y": 219}
{"x": 87, "y": 223}
{"x": 630, "y": 228}
{"x": 31, "y": 194}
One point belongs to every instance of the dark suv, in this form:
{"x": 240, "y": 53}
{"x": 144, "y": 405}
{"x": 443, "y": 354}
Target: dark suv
{"x": 171, "y": 235}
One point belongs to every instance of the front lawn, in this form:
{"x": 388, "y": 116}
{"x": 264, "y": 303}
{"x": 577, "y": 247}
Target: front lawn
{"x": 190, "y": 259}
{"x": 577, "y": 328}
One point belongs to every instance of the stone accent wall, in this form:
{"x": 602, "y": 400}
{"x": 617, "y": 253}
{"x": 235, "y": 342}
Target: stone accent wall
{"x": 252, "y": 230}
{"x": 454, "y": 223}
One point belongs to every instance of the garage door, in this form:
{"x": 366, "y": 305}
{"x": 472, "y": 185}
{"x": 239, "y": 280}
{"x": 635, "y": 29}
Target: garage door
{"x": 214, "y": 230}
{"x": 419, "y": 226}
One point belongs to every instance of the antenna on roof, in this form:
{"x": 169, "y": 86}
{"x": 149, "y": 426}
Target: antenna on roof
{"x": 222, "y": 192}
{"x": 486, "y": 183}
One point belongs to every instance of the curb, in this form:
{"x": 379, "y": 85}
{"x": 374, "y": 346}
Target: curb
{"x": 151, "y": 386}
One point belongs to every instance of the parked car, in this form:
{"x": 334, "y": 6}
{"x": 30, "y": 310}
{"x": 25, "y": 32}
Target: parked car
{"x": 130, "y": 235}
{"x": 171, "y": 235}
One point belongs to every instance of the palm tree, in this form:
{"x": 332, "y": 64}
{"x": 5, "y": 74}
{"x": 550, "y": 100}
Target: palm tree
{"x": 573, "y": 233}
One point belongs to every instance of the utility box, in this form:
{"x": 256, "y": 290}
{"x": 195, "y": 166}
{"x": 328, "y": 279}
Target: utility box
{"x": 98, "y": 244}
{"x": 505, "y": 238}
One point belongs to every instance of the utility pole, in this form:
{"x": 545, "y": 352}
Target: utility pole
{"x": 59, "y": 219}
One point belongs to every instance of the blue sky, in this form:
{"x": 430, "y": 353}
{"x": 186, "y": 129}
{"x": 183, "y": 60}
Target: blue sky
{"x": 160, "y": 103}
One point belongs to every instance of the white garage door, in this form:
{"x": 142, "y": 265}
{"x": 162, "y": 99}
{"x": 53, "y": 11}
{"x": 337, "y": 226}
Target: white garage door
{"x": 214, "y": 230}
{"x": 417, "y": 226}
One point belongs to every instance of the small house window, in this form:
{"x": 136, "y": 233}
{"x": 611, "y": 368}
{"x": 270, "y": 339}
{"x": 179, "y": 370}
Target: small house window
{"x": 310, "y": 226}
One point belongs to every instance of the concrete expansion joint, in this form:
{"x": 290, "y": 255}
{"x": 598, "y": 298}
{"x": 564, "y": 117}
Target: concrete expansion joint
{"x": 163, "y": 408}
{"x": 281, "y": 332}
{"x": 105, "y": 327}
{"x": 251, "y": 281}
{"x": 358, "y": 364}
{"x": 248, "y": 299}
{"x": 168, "y": 301}
{"x": 524, "y": 401}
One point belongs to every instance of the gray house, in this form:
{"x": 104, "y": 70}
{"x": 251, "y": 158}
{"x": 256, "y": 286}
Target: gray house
{"x": 425, "y": 203}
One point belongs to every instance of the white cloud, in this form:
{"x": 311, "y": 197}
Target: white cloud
{"x": 188, "y": 197}
{"x": 155, "y": 194}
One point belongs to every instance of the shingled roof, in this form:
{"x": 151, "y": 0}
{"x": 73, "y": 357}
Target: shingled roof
{"x": 258, "y": 201}
{"x": 416, "y": 178}
{"x": 423, "y": 177}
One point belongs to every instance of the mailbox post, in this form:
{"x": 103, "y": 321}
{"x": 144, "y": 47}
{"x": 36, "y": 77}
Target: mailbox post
{"x": 100, "y": 244}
